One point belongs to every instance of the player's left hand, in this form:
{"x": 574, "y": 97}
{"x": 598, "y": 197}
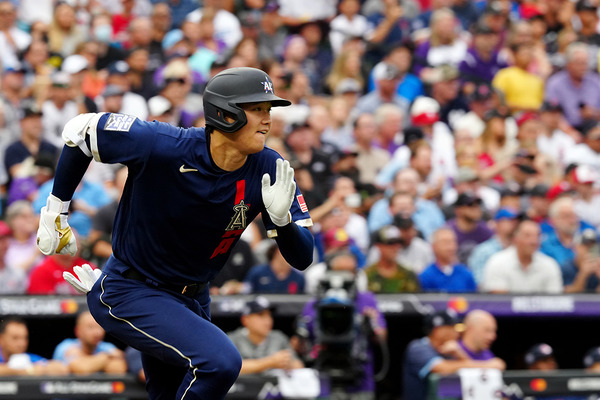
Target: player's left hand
{"x": 87, "y": 277}
{"x": 54, "y": 235}
{"x": 278, "y": 197}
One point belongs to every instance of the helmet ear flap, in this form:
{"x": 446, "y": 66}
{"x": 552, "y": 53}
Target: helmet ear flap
{"x": 218, "y": 117}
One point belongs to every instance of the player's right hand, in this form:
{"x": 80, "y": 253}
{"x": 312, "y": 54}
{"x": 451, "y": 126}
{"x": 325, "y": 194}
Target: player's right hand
{"x": 87, "y": 277}
{"x": 54, "y": 235}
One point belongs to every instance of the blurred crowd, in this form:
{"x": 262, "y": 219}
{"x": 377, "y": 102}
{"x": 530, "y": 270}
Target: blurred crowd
{"x": 446, "y": 145}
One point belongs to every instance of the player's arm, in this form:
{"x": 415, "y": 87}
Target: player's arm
{"x": 54, "y": 233}
{"x": 295, "y": 242}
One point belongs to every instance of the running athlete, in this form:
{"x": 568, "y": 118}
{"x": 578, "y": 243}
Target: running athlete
{"x": 189, "y": 196}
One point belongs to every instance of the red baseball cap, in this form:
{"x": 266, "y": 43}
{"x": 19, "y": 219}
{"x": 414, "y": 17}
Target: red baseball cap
{"x": 4, "y": 229}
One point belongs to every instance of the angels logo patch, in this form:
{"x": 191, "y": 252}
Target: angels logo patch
{"x": 267, "y": 85}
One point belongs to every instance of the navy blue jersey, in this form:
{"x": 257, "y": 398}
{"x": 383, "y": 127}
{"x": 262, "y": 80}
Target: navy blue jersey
{"x": 176, "y": 198}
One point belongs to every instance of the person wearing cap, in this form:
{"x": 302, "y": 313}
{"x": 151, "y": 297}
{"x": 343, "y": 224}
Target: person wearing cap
{"x": 416, "y": 252}
{"x": 468, "y": 225}
{"x": 483, "y": 59}
{"x": 348, "y": 23}
{"x": 588, "y": 151}
{"x": 552, "y": 140}
{"x": 370, "y": 159}
{"x": 133, "y": 103}
{"x": 262, "y": 348}
{"x": 13, "y": 279}
{"x": 505, "y": 223}
{"x": 160, "y": 109}
{"x": 591, "y": 360}
{"x": 26, "y": 187}
{"x": 82, "y": 77}
{"x": 31, "y": 142}
{"x": 387, "y": 79}
{"x": 522, "y": 268}
{"x": 446, "y": 274}
{"x": 540, "y": 357}
{"x": 576, "y": 88}
{"x": 387, "y": 275}
{"x": 587, "y": 199}
{"x": 539, "y": 203}
{"x": 58, "y": 108}
{"x": 444, "y": 87}
{"x": 480, "y": 100}
{"x": 578, "y": 266}
{"x": 522, "y": 89}
{"x": 467, "y": 180}
{"x": 438, "y": 352}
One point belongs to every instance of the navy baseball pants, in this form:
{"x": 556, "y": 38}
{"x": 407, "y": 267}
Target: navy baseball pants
{"x": 185, "y": 356}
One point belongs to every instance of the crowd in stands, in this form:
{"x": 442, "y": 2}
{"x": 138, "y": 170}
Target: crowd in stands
{"x": 440, "y": 145}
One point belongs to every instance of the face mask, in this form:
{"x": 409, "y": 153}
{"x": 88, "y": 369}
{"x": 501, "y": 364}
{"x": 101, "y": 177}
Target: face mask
{"x": 103, "y": 33}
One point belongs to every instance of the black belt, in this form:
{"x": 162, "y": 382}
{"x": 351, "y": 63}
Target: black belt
{"x": 190, "y": 290}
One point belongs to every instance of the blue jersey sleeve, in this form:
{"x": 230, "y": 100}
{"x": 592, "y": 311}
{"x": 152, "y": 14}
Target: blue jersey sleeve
{"x": 120, "y": 138}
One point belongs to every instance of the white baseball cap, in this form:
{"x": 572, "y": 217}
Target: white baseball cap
{"x": 74, "y": 63}
{"x": 158, "y": 105}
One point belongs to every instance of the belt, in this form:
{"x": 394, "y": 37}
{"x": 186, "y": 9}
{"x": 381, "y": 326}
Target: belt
{"x": 190, "y": 290}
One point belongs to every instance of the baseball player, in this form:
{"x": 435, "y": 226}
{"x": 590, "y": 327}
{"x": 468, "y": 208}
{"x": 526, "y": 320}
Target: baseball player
{"x": 189, "y": 196}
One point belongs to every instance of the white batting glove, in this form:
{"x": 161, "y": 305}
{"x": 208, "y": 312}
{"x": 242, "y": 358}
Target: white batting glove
{"x": 54, "y": 236}
{"x": 87, "y": 277}
{"x": 278, "y": 197}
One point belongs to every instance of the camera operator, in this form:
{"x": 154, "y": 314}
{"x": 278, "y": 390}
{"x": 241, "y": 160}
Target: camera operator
{"x": 339, "y": 328}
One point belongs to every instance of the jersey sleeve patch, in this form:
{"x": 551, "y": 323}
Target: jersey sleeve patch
{"x": 119, "y": 122}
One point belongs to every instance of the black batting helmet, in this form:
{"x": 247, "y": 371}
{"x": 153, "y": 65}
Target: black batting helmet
{"x": 232, "y": 87}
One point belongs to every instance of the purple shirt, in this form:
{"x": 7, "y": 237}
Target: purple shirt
{"x": 560, "y": 88}
{"x": 468, "y": 240}
{"x": 483, "y": 355}
{"x": 473, "y": 68}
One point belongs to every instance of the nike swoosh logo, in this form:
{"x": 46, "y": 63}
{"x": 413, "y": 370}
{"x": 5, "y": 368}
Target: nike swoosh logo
{"x": 183, "y": 169}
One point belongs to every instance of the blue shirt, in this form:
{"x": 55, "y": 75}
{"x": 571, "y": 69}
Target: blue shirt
{"x": 262, "y": 279}
{"x": 460, "y": 279}
{"x": 32, "y": 357}
{"x": 480, "y": 254}
{"x": 60, "y": 352}
{"x": 565, "y": 257}
{"x": 419, "y": 359}
{"x": 179, "y": 214}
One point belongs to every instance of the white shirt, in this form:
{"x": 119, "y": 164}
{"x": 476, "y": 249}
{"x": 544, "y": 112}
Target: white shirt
{"x": 8, "y": 53}
{"x": 583, "y": 154}
{"x": 588, "y": 211}
{"x": 556, "y": 145}
{"x": 308, "y": 10}
{"x": 503, "y": 271}
{"x": 54, "y": 120}
{"x": 314, "y": 274}
{"x": 342, "y": 28}
{"x": 227, "y": 26}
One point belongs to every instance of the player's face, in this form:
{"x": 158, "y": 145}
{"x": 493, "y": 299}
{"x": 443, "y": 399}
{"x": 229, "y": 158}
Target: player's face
{"x": 251, "y": 137}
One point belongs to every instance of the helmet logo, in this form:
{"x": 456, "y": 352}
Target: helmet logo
{"x": 268, "y": 85}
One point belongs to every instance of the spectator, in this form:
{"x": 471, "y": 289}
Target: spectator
{"x": 444, "y": 87}
{"x": 588, "y": 151}
{"x": 14, "y": 358}
{"x": 12, "y": 39}
{"x": 553, "y": 141}
{"x": 505, "y": 223}
{"x": 540, "y": 357}
{"x": 81, "y": 75}
{"x": 425, "y": 213}
{"x": 133, "y": 103}
{"x": 47, "y": 277}
{"x": 415, "y": 253}
{"x": 133, "y": 357}
{"x": 522, "y": 268}
{"x": 277, "y": 276}
{"x": 578, "y": 266}
{"x": 389, "y": 119}
{"x": 523, "y": 90}
{"x": 576, "y": 88}
{"x": 160, "y": 109}
{"x": 445, "y": 44}
{"x": 401, "y": 57}
{"x": 468, "y": 181}
{"x": 89, "y": 353}
{"x": 64, "y": 35}
{"x": 587, "y": 199}
{"x": 348, "y": 23}
{"x": 227, "y": 25}
{"x": 31, "y": 143}
{"x": 480, "y": 101}
{"x": 27, "y": 187}
{"x": 230, "y": 279}
{"x": 483, "y": 60}
{"x": 468, "y": 225}
{"x": 387, "y": 79}
{"x": 388, "y": 28}
{"x": 340, "y": 260}
{"x": 446, "y": 274}
{"x": 58, "y": 109}
{"x": 101, "y": 34}
{"x": 22, "y": 250}
{"x": 13, "y": 280}
{"x": 262, "y": 348}
{"x": 479, "y": 335}
{"x": 438, "y": 352}
{"x": 387, "y": 275}
{"x": 539, "y": 204}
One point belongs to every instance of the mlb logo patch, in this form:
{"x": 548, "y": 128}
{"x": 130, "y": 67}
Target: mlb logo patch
{"x": 302, "y": 203}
